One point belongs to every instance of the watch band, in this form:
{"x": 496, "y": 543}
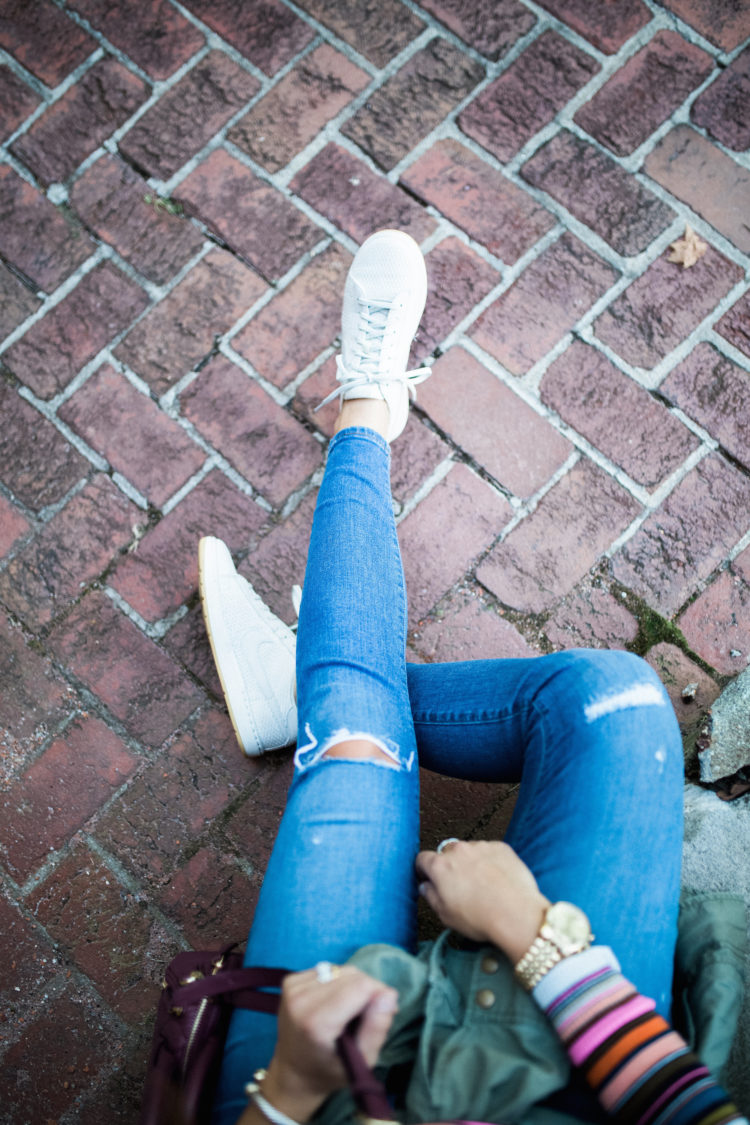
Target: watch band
{"x": 539, "y": 958}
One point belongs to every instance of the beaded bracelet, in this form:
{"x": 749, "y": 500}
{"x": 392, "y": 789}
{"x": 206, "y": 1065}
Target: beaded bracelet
{"x": 270, "y": 1112}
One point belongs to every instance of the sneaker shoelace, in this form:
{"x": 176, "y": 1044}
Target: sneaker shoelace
{"x": 371, "y": 339}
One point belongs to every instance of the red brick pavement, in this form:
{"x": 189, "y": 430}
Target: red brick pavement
{"x": 180, "y": 197}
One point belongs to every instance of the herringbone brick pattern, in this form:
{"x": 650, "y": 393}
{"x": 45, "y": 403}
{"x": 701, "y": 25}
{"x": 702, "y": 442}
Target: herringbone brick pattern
{"x": 182, "y": 188}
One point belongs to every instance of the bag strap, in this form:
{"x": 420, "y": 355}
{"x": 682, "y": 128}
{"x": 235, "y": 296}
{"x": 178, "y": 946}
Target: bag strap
{"x": 241, "y": 988}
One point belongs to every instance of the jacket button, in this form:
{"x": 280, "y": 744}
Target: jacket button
{"x": 486, "y": 998}
{"x": 490, "y": 964}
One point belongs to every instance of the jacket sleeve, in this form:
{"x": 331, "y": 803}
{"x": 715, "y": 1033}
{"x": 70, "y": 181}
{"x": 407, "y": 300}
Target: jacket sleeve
{"x": 639, "y": 1068}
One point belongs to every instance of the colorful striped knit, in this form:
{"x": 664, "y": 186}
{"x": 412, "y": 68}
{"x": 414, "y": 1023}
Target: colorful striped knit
{"x": 642, "y": 1072}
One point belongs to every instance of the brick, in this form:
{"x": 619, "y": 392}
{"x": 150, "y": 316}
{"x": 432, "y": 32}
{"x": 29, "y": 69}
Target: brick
{"x": 645, "y": 92}
{"x": 40, "y": 240}
{"x": 269, "y": 447}
{"x": 17, "y": 101}
{"x": 298, "y": 323}
{"x": 687, "y": 537}
{"x": 356, "y": 199}
{"x": 68, "y": 553}
{"x": 159, "y": 41}
{"x": 312, "y": 391}
{"x": 174, "y": 801}
{"x": 490, "y": 27}
{"x": 457, "y": 278}
{"x": 466, "y": 401}
{"x": 37, "y": 464}
{"x": 722, "y": 108}
{"x": 677, "y": 671}
{"x": 478, "y": 199}
{"x": 594, "y": 396}
{"x": 254, "y": 219}
{"x": 187, "y": 643}
{"x": 433, "y": 561}
{"x": 722, "y": 22}
{"x": 598, "y": 192}
{"x": 702, "y": 176}
{"x": 109, "y": 934}
{"x": 72, "y": 128}
{"x": 211, "y": 899}
{"x": 564, "y": 281}
{"x": 663, "y": 306}
{"x": 528, "y": 95}
{"x": 412, "y": 102}
{"x": 553, "y": 548}
{"x": 33, "y": 701}
{"x": 415, "y": 454}
{"x": 59, "y": 1056}
{"x": 43, "y": 39}
{"x": 734, "y": 326}
{"x": 378, "y": 29}
{"x": 126, "y": 427}
{"x": 469, "y": 630}
{"x": 254, "y": 827}
{"x": 180, "y": 331}
{"x": 55, "y": 348}
{"x": 163, "y": 573}
{"x": 265, "y": 31}
{"x": 13, "y": 525}
{"x": 716, "y": 393}
{"x": 112, "y": 200}
{"x": 453, "y": 805}
{"x": 119, "y": 1098}
{"x": 16, "y": 302}
{"x": 28, "y": 957}
{"x": 60, "y": 793}
{"x": 277, "y": 562}
{"x": 298, "y": 107}
{"x": 188, "y": 115}
{"x": 132, "y": 676}
{"x": 591, "y": 617}
{"x": 613, "y": 25}
{"x": 717, "y": 624}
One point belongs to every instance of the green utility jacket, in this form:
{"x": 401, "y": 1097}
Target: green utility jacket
{"x": 469, "y": 1042}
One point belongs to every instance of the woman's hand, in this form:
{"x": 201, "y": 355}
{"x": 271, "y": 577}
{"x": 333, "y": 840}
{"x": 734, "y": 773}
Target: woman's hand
{"x": 484, "y": 891}
{"x": 305, "y": 1067}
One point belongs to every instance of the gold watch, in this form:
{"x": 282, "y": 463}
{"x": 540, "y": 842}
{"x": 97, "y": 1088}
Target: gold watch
{"x": 564, "y": 930}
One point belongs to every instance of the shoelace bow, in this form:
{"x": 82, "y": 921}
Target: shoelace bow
{"x": 373, "y": 321}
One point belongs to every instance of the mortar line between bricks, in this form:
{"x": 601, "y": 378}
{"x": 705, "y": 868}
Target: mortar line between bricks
{"x": 40, "y": 519}
{"x": 67, "y": 720}
{"x": 51, "y": 300}
{"x": 529, "y": 395}
{"x": 291, "y": 388}
{"x": 41, "y": 89}
{"x": 741, "y": 159}
{"x": 438, "y": 474}
{"x": 52, "y": 94}
{"x": 99, "y": 463}
{"x": 156, "y": 630}
{"x": 695, "y": 427}
{"x": 191, "y": 483}
{"x": 723, "y": 346}
{"x": 689, "y": 33}
{"x": 222, "y": 463}
{"x": 294, "y": 499}
{"x": 215, "y": 41}
{"x": 134, "y": 887}
{"x": 739, "y": 546}
{"x": 278, "y": 396}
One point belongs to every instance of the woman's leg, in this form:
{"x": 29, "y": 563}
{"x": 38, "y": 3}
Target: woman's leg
{"x": 341, "y": 873}
{"x": 594, "y": 741}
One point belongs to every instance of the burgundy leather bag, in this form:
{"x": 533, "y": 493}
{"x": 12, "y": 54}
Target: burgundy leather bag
{"x": 199, "y": 992}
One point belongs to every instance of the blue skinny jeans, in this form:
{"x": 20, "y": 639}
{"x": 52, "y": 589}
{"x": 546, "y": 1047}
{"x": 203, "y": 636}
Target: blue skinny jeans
{"x": 591, "y": 736}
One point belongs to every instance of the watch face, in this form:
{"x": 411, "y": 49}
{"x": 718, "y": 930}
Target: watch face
{"x": 568, "y": 927}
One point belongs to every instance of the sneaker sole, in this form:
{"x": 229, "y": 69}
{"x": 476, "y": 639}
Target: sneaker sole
{"x": 227, "y": 668}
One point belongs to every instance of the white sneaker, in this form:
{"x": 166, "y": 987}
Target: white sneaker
{"x": 253, "y": 650}
{"x": 384, "y": 297}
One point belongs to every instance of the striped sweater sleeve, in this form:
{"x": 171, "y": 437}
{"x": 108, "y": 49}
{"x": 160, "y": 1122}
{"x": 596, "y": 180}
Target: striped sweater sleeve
{"x": 642, "y": 1071}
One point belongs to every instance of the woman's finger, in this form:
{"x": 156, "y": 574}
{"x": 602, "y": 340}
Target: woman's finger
{"x": 375, "y": 1023}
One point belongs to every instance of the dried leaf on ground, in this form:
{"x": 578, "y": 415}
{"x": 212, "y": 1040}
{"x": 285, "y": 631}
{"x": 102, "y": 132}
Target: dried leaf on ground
{"x": 686, "y": 251}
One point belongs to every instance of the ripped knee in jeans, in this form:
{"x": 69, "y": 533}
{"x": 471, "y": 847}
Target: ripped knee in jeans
{"x": 352, "y": 746}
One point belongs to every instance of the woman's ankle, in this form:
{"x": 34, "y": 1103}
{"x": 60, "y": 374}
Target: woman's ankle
{"x": 371, "y": 413}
